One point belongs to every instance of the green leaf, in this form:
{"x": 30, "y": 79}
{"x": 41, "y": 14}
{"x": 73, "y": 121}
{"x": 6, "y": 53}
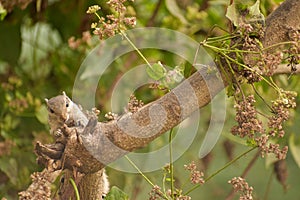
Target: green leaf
{"x": 230, "y": 90}
{"x": 180, "y": 68}
{"x": 295, "y": 148}
{"x": 116, "y": 194}
{"x": 41, "y": 114}
{"x": 254, "y": 13}
{"x": 10, "y": 167}
{"x": 175, "y": 10}
{"x": 232, "y": 14}
{"x": 241, "y": 12}
{"x": 168, "y": 179}
{"x": 157, "y": 71}
{"x": 10, "y": 40}
{"x": 3, "y": 12}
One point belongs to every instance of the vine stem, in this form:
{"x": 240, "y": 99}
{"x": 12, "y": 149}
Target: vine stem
{"x": 144, "y": 176}
{"x": 248, "y": 68}
{"x": 227, "y": 50}
{"x": 171, "y": 162}
{"x": 140, "y": 172}
{"x": 268, "y": 186}
{"x": 221, "y": 169}
{"x": 75, "y": 188}
{"x": 277, "y": 44}
{"x": 135, "y": 48}
{"x": 98, "y": 16}
{"x": 255, "y": 90}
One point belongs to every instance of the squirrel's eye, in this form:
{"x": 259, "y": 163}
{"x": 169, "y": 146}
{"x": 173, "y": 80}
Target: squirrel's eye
{"x": 67, "y": 104}
{"x": 52, "y": 111}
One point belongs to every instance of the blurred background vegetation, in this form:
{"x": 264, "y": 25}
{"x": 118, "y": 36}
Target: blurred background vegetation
{"x": 39, "y": 59}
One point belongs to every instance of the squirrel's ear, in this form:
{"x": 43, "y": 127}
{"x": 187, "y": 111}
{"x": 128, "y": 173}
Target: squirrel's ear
{"x": 63, "y": 92}
{"x": 46, "y": 100}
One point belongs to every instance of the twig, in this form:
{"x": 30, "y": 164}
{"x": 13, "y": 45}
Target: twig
{"x": 154, "y": 14}
{"x": 220, "y": 170}
{"x": 268, "y": 186}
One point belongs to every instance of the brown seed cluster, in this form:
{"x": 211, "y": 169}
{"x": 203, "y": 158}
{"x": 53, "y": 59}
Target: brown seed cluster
{"x": 134, "y": 104}
{"x": 260, "y": 61}
{"x": 264, "y": 144}
{"x": 85, "y": 40}
{"x": 294, "y": 50}
{"x": 113, "y": 23}
{"x": 111, "y": 116}
{"x": 250, "y": 127}
{"x": 196, "y": 176}
{"x": 281, "y": 112}
{"x": 155, "y": 193}
{"x": 17, "y": 102}
{"x": 248, "y": 39}
{"x": 269, "y": 62}
{"x": 40, "y": 187}
{"x": 246, "y": 116}
{"x": 248, "y": 34}
{"x": 240, "y": 185}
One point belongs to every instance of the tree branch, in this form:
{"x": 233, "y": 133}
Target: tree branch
{"x": 109, "y": 141}
{"x": 134, "y": 131}
{"x": 281, "y": 21}
{"x": 285, "y": 69}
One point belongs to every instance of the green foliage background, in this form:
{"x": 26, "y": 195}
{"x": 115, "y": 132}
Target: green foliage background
{"x": 36, "y": 63}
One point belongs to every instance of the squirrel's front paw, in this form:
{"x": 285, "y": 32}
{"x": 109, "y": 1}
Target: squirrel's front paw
{"x": 58, "y": 133}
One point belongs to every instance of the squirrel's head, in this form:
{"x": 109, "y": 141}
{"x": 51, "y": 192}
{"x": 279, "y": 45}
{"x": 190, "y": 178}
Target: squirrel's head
{"x": 58, "y": 107}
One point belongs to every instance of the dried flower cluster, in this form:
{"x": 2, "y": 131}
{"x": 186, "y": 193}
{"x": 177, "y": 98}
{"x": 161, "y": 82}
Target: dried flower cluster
{"x": 281, "y": 111}
{"x": 93, "y": 9}
{"x": 248, "y": 33}
{"x": 240, "y": 185}
{"x": 86, "y": 39}
{"x": 40, "y": 187}
{"x": 155, "y": 193}
{"x": 269, "y": 62}
{"x": 294, "y": 50}
{"x": 281, "y": 108}
{"x": 251, "y": 127}
{"x": 113, "y": 23}
{"x": 196, "y": 176}
{"x": 134, "y": 104}
{"x": 246, "y": 116}
{"x": 178, "y": 195}
{"x": 6, "y": 147}
{"x": 184, "y": 198}
{"x": 248, "y": 40}
{"x": 259, "y": 61}
{"x": 111, "y": 116}
{"x": 263, "y": 142}
{"x": 17, "y": 102}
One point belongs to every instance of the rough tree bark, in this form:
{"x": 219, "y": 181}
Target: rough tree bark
{"x": 110, "y": 141}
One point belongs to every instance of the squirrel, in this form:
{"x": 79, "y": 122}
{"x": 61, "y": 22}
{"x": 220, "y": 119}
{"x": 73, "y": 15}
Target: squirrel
{"x": 62, "y": 110}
